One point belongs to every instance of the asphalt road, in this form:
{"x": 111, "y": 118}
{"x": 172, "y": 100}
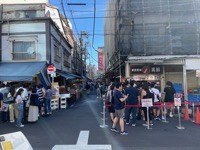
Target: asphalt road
{"x": 64, "y": 126}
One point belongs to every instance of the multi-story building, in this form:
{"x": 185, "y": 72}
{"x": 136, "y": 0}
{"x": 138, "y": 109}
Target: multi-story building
{"x": 33, "y": 35}
{"x": 154, "y": 41}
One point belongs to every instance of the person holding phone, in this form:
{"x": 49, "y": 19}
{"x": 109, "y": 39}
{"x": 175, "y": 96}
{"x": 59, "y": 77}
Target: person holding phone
{"x": 119, "y": 102}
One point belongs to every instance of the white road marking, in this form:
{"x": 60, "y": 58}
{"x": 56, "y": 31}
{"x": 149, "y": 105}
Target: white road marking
{"x": 82, "y": 144}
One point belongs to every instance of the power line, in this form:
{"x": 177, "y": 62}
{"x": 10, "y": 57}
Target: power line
{"x": 94, "y": 26}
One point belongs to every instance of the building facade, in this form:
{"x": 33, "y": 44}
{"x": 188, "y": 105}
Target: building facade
{"x": 37, "y": 32}
{"x": 154, "y": 41}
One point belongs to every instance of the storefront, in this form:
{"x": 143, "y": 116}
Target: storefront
{"x": 177, "y": 69}
{"x": 24, "y": 71}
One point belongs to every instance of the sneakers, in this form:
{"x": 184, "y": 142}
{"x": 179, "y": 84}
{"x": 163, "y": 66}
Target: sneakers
{"x": 170, "y": 115}
{"x": 21, "y": 126}
{"x": 157, "y": 118}
{"x": 127, "y": 123}
{"x": 114, "y": 130}
{"x": 124, "y": 133}
{"x": 163, "y": 118}
{"x": 133, "y": 125}
{"x": 12, "y": 121}
{"x": 144, "y": 124}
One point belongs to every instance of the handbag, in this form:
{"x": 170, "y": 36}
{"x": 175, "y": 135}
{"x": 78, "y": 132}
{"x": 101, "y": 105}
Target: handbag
{"x": 5, "y": 107}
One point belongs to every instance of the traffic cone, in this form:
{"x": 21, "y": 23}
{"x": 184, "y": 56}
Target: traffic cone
{"x": 186, "y": 114}
{"x": 197, "y": 120}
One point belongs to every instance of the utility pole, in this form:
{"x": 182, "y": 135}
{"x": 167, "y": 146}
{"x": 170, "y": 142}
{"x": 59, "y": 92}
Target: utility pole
{"x": 83, "y": 46}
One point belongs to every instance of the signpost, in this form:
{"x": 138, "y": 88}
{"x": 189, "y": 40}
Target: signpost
{"x": 177, "y": 103}
{"x": 147, "y": 103}
{"x": 51, "y": 70}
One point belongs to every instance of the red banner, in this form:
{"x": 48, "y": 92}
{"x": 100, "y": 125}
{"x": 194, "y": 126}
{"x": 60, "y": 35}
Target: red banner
{"x": 100, "y": 62}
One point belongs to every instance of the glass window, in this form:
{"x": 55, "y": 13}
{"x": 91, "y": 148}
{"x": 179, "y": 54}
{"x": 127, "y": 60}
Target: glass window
{"x": 23, "y": 50}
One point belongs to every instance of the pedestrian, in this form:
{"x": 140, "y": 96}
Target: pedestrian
{"x": 13, "y": 112}
{"x": 132, "y": 100}
{"x": 145, "y": 94}
{"x": 156, "y": 101}
{"x": 48, "y": 98}
{"x": 110, "y": 99}
{"x": 41, "y": 96}
{"x": 19, "y": 104}
{"x": 98, "y": 87}
{"x": 33, "y": 106}
{"x": 119, "y": 102}
{"x": 169, "y": 95}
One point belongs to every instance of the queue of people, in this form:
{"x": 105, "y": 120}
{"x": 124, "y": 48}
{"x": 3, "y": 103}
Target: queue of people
{"x": 131, "y": 94}
{"x": 16, "y": 100}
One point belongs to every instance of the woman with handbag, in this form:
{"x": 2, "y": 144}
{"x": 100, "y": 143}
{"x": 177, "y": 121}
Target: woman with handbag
{"x": 33, "y": 106}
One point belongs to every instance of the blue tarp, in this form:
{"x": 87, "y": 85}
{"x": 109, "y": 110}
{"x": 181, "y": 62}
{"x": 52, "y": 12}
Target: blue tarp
{"x": 66, "y": 75}
{"x": 20, "y": 71}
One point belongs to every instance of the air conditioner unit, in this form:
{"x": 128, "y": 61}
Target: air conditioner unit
{"x": 19, "y": 14}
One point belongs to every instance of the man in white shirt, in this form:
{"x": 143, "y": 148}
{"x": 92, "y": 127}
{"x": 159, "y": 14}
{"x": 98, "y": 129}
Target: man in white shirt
{"x": 156, "y": 101}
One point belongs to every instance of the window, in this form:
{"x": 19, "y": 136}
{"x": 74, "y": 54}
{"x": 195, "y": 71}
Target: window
{"x": 56, "y": 54}
{"x": 23, "y": 50}
{"x": 30, "y": 14}
{"x": 66, "y": 59}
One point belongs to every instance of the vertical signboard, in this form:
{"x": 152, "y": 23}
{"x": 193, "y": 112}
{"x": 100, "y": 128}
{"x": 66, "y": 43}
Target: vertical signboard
{"x": 100, "y": 59}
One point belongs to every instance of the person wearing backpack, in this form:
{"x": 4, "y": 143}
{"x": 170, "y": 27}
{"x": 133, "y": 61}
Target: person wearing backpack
{"x": 156, "y": 101}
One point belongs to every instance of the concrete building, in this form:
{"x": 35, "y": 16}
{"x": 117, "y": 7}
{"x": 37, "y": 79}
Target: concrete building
{"x": 153, "y": 41}
{"x": 36, "y": 32}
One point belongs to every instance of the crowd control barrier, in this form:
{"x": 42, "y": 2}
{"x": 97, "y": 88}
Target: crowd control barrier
{"x": 165, "y": 105}
{"x": 104, "y": 113}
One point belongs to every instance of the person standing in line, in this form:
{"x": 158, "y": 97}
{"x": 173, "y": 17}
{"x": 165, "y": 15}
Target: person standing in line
{"x": 110, "y": 96}
{"x": 41, "y": 96}
{"x": 145, "y": 93}
{"x": 19, "y": 104}
{"x": 132, "y": 100}
{"x": 156, "y": 101}
{"x": 119, "y": 102}
{"x": 169, "y": 95}
{"x": 25, "y": 99}
{"x": 33, "y": 108}
{"x": 13, "y": 112}
{"x": 48, "y": 98}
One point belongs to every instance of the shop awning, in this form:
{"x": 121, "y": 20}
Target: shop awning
{"x": 20, "y": 71}
{"x": 66, "y": 75}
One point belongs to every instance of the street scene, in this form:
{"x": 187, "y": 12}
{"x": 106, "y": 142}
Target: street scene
{"x": 64, "y": 127}
{"x": 99, "y": 75}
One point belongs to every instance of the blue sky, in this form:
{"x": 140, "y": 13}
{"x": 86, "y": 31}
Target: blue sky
{"x": 82, "y": 19}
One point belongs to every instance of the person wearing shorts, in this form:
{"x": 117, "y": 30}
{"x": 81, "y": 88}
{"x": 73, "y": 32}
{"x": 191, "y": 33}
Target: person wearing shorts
{"x": 119, "y": 102}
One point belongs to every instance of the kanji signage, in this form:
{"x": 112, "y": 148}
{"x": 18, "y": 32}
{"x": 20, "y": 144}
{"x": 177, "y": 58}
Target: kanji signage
{"x": 146, "y": 69}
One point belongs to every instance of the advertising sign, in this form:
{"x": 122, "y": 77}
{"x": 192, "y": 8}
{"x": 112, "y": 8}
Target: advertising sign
{"x": 100, "y": 62}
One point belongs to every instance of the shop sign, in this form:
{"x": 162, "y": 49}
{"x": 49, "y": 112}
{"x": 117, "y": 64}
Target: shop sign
{"x": 147, "y": 102}
{"x": 177, "y": 102}
{"x": 146, "y": 69}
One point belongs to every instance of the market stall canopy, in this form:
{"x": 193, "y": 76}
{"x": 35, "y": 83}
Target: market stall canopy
{"x": 21, "y": 71}
{"x": 67, "y": 75}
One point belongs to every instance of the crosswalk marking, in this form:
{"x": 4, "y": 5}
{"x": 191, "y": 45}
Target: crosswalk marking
{"x": 82, "y": 144}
